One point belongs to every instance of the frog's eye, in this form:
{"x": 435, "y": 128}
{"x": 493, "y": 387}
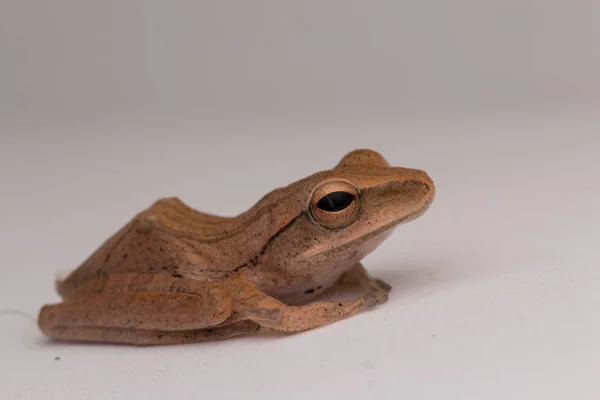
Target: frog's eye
{"x": 335, "y": 201}
{"x": 335, "y": 204}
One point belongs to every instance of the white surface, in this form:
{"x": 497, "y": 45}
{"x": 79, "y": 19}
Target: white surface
{"x": 496, "y": 289}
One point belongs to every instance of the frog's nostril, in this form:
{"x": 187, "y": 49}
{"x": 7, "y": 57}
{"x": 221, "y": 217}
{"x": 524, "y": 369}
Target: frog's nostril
{"x": 416, "y": 189}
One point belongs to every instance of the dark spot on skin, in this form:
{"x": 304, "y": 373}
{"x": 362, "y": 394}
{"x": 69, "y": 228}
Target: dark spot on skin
{"x": 107, "y": 258}
{"x": 177, "y": 275}
{"x": 149, "y": 250}
{"x": 124, "y": 256}
{"x": 320, "y": 287}
{"x": 340, "y": 304}
{"x": 161, "y": 335}
{"x": 161, "y": 249}
{"x": 164, "y": 267}
{"x": 309, "y": 291}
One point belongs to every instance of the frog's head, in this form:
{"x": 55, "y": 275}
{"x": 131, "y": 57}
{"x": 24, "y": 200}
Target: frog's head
{"x": 348, "y": 211}
{"x": 364, "y": 194}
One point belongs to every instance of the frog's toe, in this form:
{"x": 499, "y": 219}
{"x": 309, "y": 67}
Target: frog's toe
{"x": 271, "y": 315}
{"x": 370, "y": 300}
{"x": 374, "y": 299}
{"x": 259, "y": 314}
{"x": 383, "y": 285}
{"x": 246, "y": 327}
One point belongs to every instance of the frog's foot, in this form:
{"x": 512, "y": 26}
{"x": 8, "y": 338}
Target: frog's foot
{"x": 376, "y": 287}
{"x": 383, "y": 285}
{"x": 374, "y": 299}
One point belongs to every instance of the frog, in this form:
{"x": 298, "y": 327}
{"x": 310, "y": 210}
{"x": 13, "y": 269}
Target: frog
{"x": 174, "y": 275}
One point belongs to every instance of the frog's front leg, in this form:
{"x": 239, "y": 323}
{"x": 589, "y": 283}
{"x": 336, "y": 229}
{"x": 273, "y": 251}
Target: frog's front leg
{"x": 253, "y": 304}
{"x": 359, "y": 276}
{"x": 143, "y": 309}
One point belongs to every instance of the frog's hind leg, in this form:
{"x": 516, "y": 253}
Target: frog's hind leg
{"x": 141, "y": 309}
{"x": 141, "y": 337}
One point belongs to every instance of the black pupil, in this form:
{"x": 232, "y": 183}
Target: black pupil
{"x": 335, "y": 201}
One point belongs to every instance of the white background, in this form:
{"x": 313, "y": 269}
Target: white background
{"x": 106, "y": 106}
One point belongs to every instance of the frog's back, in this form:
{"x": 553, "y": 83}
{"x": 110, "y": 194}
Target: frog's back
{"x": 168, "y": 238}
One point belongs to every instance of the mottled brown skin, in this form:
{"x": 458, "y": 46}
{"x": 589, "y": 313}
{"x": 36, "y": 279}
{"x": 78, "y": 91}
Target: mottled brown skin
{"x": 176, "y": 275}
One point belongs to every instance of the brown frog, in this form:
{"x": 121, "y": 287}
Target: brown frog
{"x": 176, "y": 275}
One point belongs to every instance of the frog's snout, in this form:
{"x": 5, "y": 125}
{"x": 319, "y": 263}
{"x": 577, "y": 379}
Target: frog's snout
{"x": 420, "y": 185}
